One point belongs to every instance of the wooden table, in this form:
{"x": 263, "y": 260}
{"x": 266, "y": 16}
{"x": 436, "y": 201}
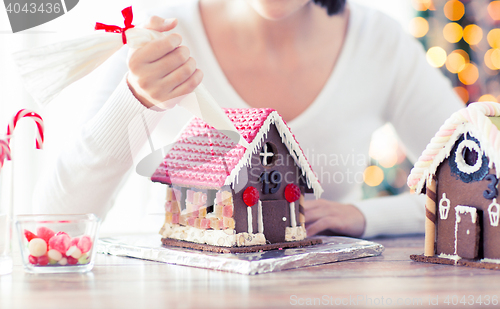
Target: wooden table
{"x": 386, "y": 281}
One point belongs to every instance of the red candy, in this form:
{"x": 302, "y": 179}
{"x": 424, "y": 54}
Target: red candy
{"x": 43, "y": 260}
{"x": 45, "y": 233}
{"x": 33, "y": 260}
{"x": 29, "y": 235}
{"x": 292, "y": 192}
{"x": 72, "y": 260}
{"x": 62, "y": 233}
{"x": 250, "y": 196}
{"x": 60, "y": 242}
{"x": 84, "y": 244}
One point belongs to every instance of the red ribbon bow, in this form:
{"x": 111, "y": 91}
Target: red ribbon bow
{"x": 128, "y": 15}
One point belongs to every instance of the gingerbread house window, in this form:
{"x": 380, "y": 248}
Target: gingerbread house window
{"x": 268, "y": 154}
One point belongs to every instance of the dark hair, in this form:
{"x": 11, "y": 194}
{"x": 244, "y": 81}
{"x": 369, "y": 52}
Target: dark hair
{"x": 332, "y": 6}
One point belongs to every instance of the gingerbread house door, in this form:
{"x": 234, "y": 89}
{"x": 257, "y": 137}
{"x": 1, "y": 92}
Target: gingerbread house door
{"x": 275, "y": 217}
{"x": 467, "y": 231}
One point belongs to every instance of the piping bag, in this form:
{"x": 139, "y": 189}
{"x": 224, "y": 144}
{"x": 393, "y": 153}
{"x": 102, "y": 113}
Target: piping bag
{"x": 47, "y": 70}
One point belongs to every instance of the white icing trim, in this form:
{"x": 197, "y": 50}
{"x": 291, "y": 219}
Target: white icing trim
{"x": 292, "y": 214}
{"x": 460, "y": 160}
{"x": 293, "y": 147}
{"x": 260, "y": 222}
{"x": 460, "y": 210}
{"x": 493, "y": 214}
{"x": 295, "y": 233}
{"x": 444, "y": 210}
{"x": 250, "y": 223}
{"x": 450, "y": 257}
{"x": 486, "y": 260}
{"x": 220, "y": 238}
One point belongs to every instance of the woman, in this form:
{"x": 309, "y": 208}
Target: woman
{"x": 334, "y": 71}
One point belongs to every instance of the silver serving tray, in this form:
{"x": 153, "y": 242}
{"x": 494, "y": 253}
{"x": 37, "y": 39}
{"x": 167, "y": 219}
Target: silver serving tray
{"x": 149, "y": 247}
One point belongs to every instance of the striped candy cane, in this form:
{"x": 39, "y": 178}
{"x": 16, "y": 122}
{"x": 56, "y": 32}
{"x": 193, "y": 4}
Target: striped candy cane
{"x": 30, "y": 114}
{"x": 4, "y": 152}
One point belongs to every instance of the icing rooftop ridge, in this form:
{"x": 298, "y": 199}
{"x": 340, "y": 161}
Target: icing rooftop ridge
{"x": 474, "y": 117}
{"x": 206, "y": 158}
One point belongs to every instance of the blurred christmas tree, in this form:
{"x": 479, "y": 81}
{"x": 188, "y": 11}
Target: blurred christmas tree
{"x": 463, "y": 39}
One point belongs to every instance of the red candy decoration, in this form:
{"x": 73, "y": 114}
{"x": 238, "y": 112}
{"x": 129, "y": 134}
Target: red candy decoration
{"x": 251, "y": 196}
{"x": 43, "y": 260}
{"x": 33, "y": 260}
{"x": 29, "y": 235}
{"x": 292, "y": 192}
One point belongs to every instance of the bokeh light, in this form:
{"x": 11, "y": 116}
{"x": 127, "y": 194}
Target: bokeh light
{"x": 494, "y": 10}
{"x": 452, "y": 32}
{"x": 487, "y": 98}
{"x": 373, "y": 176}
{"x": 436, "y": 56}
{"x": 473, "y": 34}
{"x": 462, "y": 93}
{"x": 455, "y": 62}
{"x": 469, "y": 74}
{"x": 419, "y": 27}
{"x": 454, "y": 10}
{"x": 492, "y": 59}
{"x": 493, "y": 38}
{"x": 422, "y": 5}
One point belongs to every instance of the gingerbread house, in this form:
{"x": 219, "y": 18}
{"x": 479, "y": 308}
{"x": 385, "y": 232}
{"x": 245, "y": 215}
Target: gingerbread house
{"x": 459, "y": 172}
{"x": 222, "y": 194}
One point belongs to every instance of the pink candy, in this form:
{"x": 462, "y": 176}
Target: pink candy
{"x": 57, "y": 248}
{"x": 84, "y": 244}
{"x": 60, "y": 242}
{"x": 45, "y": 233}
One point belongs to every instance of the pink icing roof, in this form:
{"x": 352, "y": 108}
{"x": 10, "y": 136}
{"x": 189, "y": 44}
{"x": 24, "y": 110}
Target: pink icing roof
{"x": 476, "y": 115}
{"x": 203, "y": 157}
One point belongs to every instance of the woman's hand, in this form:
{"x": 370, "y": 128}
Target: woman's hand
{"x": 162, "y": 69}
{"x": 341, "y": 219}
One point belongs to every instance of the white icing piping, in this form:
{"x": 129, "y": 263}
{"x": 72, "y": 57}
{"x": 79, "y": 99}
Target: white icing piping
{"x": 475, "y": 117}
{"x": 250, "y": 223}
{"x": 292, "y": 146}
{"x": 260, "y": 222}
{"x": 292, "y": 214}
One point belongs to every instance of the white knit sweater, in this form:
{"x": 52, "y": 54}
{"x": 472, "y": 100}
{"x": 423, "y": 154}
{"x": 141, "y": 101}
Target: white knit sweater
{"x": 381, "y": 76}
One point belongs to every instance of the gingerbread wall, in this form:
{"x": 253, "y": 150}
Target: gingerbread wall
{"x": 274, "y": 226}
{"x": 465, "y": 194}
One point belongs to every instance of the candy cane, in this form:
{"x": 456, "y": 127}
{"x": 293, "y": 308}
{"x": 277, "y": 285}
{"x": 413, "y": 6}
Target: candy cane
{"x": 4, "y": 152}
{"x": 22, "y": 114}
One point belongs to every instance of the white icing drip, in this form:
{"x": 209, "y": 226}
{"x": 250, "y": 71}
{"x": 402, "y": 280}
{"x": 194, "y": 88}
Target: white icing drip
{"x": 495, "y": 261}
{"x": 450, "y": 257}
{"x": 460, "y": 210}
{"x": 292, "y": 146}
{"x": 260, "y": 222}
{"x": 250, "y": 223}
{"x": 292, "y": 214}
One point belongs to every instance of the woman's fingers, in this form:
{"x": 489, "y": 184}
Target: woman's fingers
{"x": 162, "y": 69}
{"x": 343, "y": 219}
{"x": 161, "y": 24}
